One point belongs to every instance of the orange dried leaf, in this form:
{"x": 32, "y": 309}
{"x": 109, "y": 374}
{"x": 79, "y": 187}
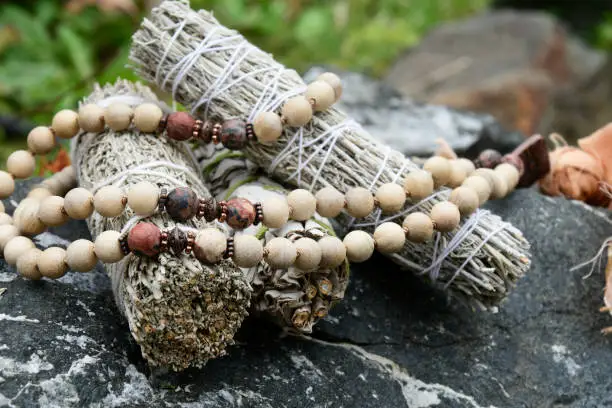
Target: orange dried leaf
{"x": 62, "y": 160}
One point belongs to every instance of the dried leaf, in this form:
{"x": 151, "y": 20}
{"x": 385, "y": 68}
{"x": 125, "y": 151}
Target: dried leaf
{"x": 62, "y": 160}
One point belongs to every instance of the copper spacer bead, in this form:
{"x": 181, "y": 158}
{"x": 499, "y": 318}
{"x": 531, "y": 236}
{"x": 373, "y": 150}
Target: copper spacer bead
{"x": 223, "y": 211}
{"x": 250, "y": 132}
{"x": 258, "y": 214}
{"x": 197, "y": 128}
{"x": 164, "y": 241}
{"x": 216, "y": 133}
{"x": 123, "y": 243}
{"x": 190, "y": 242}
{"x": 207, "y": 131}
{"x": 229, "y": 251}
{"x": 162, "y": 124}
{"x": 163, "y": 199}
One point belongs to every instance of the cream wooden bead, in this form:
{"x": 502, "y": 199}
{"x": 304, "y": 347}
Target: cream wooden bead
{"x": 334, "y": 81}
{"x": 499, "y": 186}
{"x": 302, "y": 204}
{"x": 5, "y": 219}
{"x": 333, "y": 252}
{"x": 359, "y": 246}
{"x": 280, "y": 253}
{"x": 359, "y": 202}
{"x": 41, "y": 140}
{"x": 389, "y": 238}
{"x": 27, "y": 264}
{"x": 7, "y": 232}
{"x": 2, "y": 209}
{"x": 391, "y": 198}
{"x": 108, "y": 248}
{"x": 110, "y": 201}
{"x": 440, "y": 170}
{"x": 322, "y": 94}
{"x": 143, "y": 198}
{"x": 147, "y": 117}
{"x": 52, "y": 263}
{"x": 330, "y": 202}
{"x": 91, "y": 118}
{"x": 21, "y": 164}
{"x": 510, "y": 174}
{"x": 418, "y": 227}
{"x": 15, "y": 248}
{"x": 268, "y": 127}
{"x": 51, "y": 211}
{"x": 466, "y": 199}
{"x": 65, "y": 124}
{"x": 7, "y": 185}
{"x": 297, "y": 111}
{"x": 79, "y": 203}
{"x": 466, "y": 164}
{"x": 210, "y": 245}
{"x": 445, "y": 216}
{"x": 480, "y": 185}
{"x": 25, "y": 217}
{"x": 81, "y": 256}
{"x": 118, "y": 116}
{"x": 39, "y": 193}
{"x": 308, "y": 254}
{"x": 248, "y": 251}
{"x": 457, "y": 174}
{"x": 418, "y": 185}
{"x": 275, "y": 211}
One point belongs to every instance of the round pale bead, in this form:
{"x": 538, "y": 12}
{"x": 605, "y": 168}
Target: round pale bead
{"x": 7, "y": 185}
{"x": 308, "y": 254}
{"x": 110, "y": 201}
{"x": 466, "y": 199}
{"x": 27, "y": 264}
{"x": 108, "y": 248}
{"x": 91, "y": 118}
{"x": 457, "y": 174}
{"x": 280, "y": 253}
{"x": 389, "y": 238}
{"x": 445, "y": 216}
{"x": 39, "y": 193}
{"x": 147, "y": 117}
{"x": 391, "y": 197}
{"x": 118, "y": 116}
{"x": 7, "y": 232}
{"x": 440, "y": 169}
{"x": 21, "y": 164}
{"x": 418, "y": 185}
{"x": 334, "y": 81}
{"x": 248, "y": 251}
{"x": 302, "y": 204}
{"x": 480, "y": 185}
{"x": 210, "y": 245}
{"x": 268, "y": 127}
{"x": 79, "y": 203}
{"x": 333, "y": 252}
{"x": 52, "y": 263}
{"x": 15, "y": 248}
{"x": 143, "y": 198}
{"x": 65, "y": 124}
{"x": 359, "y": 246}
{"x": 322, "y": 94}
{"x": 467, "y": 165}
{"x": 81, "y": 256}
{"x": 510, "y": 174}
{"x": 25, "y": 217}
{"x": 41, "y": 140}
{"x": 330, "y": 202}
{"x": 499, "y": 186}
{"x": 5, "y": 219}
{"x": 297, "y": 111}
{"x": 51, "y": 211}
{"x": 418, "y": 227}
{"x": 359, "y": 202}
{"x": 275, "y": 212}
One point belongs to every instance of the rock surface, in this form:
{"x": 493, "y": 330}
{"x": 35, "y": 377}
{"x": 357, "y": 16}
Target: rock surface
{"x": 412, "y": 127}
{"x": 524, "y": 68}
{"x": 392, "y": 343}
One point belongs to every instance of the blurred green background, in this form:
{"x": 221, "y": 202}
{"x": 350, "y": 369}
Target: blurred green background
{"x": 51, "y": 51}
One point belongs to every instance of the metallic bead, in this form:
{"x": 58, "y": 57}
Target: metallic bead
{"x": 190, "y": 242}
{"x": 182, "y": 204}
{"x": 229, "y": 252}
{"x": 250, "y": 132}
{"x": 206, "y": 132}
{"x": 163, "y": 199}
{"x": 180, "y": 126}
{"x": 163, "y": 123}
{"x": 222, "y": 211}
{"x": 164, "y": 242}
{"x": 123, "y": 243}
{"x": 177, "y": 241}
{"x": 240, "y": 213}
{"x": 258, "y": 214}
{"x": 216, "y": 133}
{"x": 233, "y": 134}
{"x": 210, "y": 209}
{"x": 145, "y": 239}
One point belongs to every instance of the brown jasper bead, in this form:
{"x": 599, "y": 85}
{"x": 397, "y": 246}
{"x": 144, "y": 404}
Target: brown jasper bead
{"x": 179, "y": 126}
{"x": 145, "y": 239}
{"x": 240, "y": 213}
{"x": 233, "y": 134}
{"x": 488, "y": 158}
{"x": 177, "y": 241}
{"x": 182, "y": 204}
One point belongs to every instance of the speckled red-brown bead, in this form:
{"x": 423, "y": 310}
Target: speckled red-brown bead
{"x": 180, "y": 125}
{"x": 240, "y": 213}
{"x": 145, "y": 239}
{"x": 182, "y": 204}
{"x": 234, "y": 134}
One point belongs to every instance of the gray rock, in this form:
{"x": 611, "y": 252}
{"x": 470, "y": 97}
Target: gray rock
{"x": 392, "y": 343}
{"x": 413, "y": 127}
